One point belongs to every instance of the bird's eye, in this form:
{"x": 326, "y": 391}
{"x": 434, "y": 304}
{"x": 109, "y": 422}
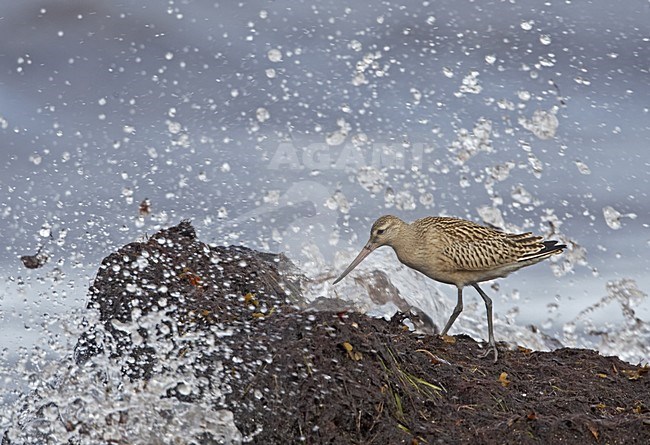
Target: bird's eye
{"x": 380, "y": 231}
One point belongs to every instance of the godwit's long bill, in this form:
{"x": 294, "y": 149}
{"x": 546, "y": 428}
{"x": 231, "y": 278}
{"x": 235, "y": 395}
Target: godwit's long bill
{"x": 458, "y": 252}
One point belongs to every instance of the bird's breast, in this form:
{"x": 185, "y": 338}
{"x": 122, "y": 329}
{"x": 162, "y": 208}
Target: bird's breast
{"x": 427, "y": 263}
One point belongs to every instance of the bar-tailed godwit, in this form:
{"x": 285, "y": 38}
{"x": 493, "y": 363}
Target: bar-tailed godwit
{"x": 458, "y": 252}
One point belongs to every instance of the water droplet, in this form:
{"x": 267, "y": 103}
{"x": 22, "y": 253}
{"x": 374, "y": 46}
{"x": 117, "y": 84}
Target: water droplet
{"x": 583, "y": 168}
{"x": 371, "y": 179}
{"x": 45, "y": 231}
{"x": 355, "y": 45}
{"x": 521, "y": 195}
{"x": 275, "y": 55}
{"x": 612, "y": 217}
{"x": 184, "y": 389}
{"x": 262, "y": 114}
{"x": 527, "y": 25}
{"x": 36, "y": 159}
{"x": 543, "y": 124}
{"x": 335, "y": 138}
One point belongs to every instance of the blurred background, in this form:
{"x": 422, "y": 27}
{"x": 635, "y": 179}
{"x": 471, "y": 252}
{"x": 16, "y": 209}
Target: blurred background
{"x": 291, "y": 126}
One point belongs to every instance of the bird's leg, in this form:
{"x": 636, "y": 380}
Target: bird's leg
{"x": 457, "y": 310}
{"x": 488, "y": 307}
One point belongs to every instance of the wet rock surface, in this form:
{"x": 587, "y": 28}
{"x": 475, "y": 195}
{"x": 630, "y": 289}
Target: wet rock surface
{"x": 194, "y": 285}
{"x": 235, "y": 320}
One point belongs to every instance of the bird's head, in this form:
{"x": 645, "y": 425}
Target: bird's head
{"x": 384, "y": 232}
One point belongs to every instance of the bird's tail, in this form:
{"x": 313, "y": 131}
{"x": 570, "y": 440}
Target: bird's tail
{"x": 549, "y": 248}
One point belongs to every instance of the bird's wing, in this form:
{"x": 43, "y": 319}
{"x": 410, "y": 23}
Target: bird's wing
{"x": 484, "y": 254}
{"x": 473, "y": 247}
{"x": 486, "y": 249}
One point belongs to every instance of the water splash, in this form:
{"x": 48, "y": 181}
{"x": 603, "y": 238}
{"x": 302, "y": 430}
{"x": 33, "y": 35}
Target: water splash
{"x": 629, "y": 340}
{"x": 96, "y": 402}
{"x": 613, "y": 217}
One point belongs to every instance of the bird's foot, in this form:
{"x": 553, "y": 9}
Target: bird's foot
{"x": 491, "y": 347}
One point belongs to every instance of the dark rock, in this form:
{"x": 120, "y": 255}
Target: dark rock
{"x": 229, "y": 317}
{"x": 192, "y": 283}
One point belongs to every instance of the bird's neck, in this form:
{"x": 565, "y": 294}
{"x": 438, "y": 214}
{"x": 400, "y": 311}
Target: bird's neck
{"x": 405, "y": 242}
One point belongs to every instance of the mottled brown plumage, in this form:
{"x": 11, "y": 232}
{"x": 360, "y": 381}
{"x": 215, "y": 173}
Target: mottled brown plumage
{"x": 458, "y": 252}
